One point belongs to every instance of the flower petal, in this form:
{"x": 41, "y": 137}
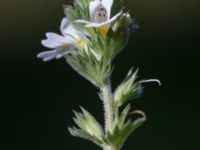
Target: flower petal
{"x": 54, "y": 40}
{"x": 64, "y": 25}
{"x": 60, "y": 55}
{"x": 93, "y": 8}
{"x": 83, "y": 21}
{"x": 47, "y": 55}
{"x": 108, "y": 6}
{"x": 68, "y": 30}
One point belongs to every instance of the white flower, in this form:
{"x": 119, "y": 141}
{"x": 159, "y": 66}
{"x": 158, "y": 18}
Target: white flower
{"x": 100, "y": 14}
{"x": 62, "y": 45}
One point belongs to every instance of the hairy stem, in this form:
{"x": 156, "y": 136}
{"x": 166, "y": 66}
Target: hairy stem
{"x": 109, "y": 148}
{"x": 108, "y": 106}
{"x": 108, "y": 110}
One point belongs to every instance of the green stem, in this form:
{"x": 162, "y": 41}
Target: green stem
{"x": 107, "y": 98}
{"x": 109, "y": 148}
{"x": 108, "y": 106}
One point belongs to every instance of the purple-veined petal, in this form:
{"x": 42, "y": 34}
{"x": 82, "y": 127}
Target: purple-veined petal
{"x": 108, "y": 6}
{"x": 93, "y": 8}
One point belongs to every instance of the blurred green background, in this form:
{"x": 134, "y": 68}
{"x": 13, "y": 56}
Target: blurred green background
{"x": 37, "y": 98}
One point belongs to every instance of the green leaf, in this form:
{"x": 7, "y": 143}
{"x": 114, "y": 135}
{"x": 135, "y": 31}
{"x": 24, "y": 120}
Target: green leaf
{"x": 88, "y": 128}
{"x": 122, "y": 129}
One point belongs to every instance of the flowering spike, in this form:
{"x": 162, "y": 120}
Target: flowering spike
{"x": 92, "y": 34}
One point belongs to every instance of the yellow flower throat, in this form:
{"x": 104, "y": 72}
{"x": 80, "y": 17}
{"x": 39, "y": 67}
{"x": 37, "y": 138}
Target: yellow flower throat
{"x": 103, "y": 30}
{"x": 80, "y": 42}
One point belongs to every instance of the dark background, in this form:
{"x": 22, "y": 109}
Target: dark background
{"x": 37, "y": 98}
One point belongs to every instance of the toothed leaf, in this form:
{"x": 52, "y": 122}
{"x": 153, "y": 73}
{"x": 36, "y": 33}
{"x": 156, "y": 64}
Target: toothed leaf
{"x": 128, "y": 89}
{"x": 122, "y": 129}
{"x": 87, "y": 127}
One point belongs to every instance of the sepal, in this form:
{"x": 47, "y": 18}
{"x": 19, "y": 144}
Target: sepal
{"x": 129, "y": 89}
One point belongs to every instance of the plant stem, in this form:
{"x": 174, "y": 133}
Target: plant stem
{"x": 109, "y": 148}
{"x": 108, "y": 106}
{"x": 108, "y": 102}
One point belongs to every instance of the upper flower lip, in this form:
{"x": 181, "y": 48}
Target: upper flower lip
{"x": 68, "y": 30}
{"x": 94, "y": 8}
{"x": 94, "y": 5}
